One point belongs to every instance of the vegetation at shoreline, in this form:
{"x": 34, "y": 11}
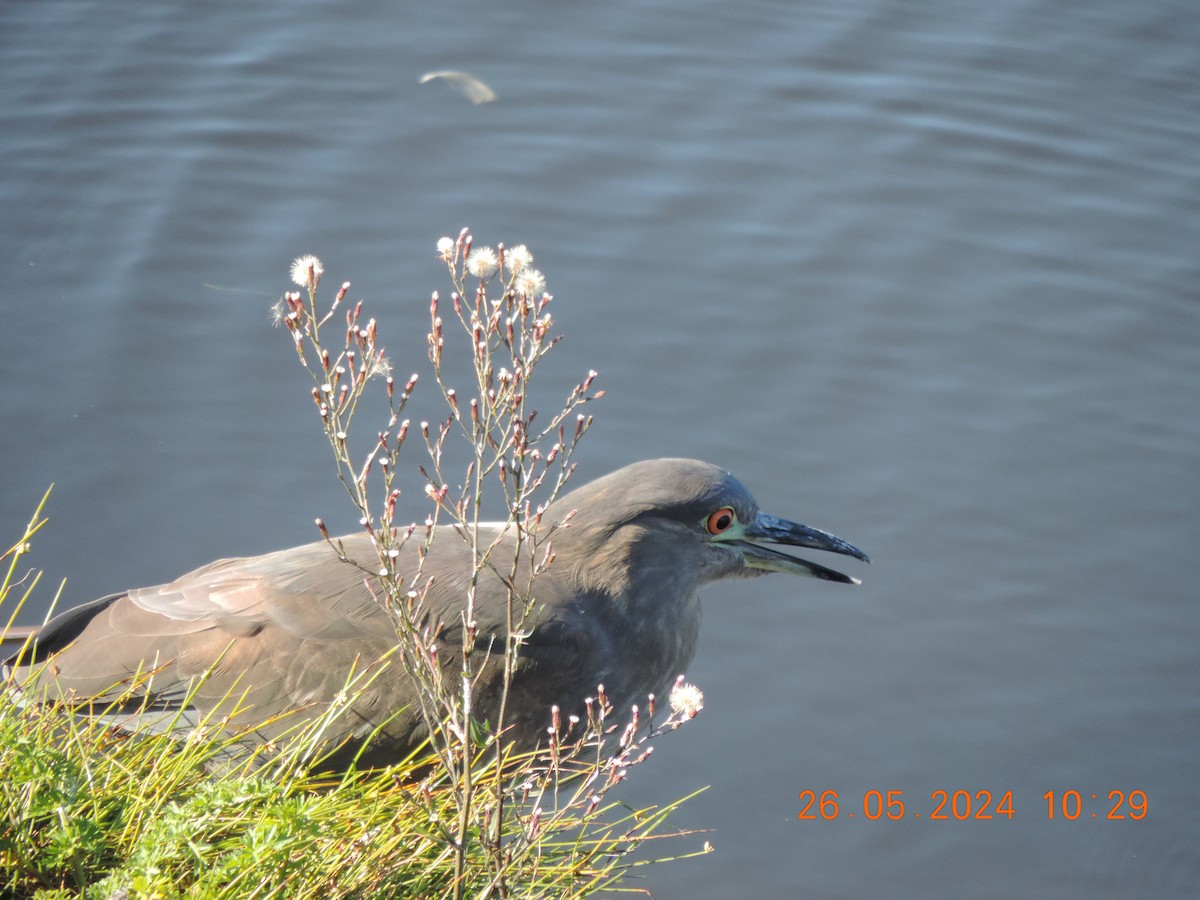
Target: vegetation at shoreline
{"x": 149, "y": 810}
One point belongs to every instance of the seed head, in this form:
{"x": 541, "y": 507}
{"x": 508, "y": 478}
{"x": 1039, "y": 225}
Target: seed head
{"x": 378, "y": 366}
{"x": 686, "y": 699}
{"x": 530, "y": 282}
{"x": 482, "y": 262}
{"x": 518, "y": 258}
{"x": 301, "y": 266}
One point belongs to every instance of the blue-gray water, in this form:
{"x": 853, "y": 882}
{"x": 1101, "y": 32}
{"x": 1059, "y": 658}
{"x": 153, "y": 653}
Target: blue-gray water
{"x": 924, "y": 275}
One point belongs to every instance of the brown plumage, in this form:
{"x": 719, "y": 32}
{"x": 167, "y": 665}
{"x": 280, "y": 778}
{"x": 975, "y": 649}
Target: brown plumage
{"x": 284, "y": 631}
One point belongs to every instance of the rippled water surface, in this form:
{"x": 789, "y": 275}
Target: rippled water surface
{"x": 924, "y": 275}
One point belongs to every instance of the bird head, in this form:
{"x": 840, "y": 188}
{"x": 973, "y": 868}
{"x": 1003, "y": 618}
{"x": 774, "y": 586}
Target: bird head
{"x": 677, "y": 516}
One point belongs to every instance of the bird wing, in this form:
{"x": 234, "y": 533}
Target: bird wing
{"x": 284, "y": 632}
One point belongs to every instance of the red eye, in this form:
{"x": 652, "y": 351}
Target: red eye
{"x": 721, "y": 520}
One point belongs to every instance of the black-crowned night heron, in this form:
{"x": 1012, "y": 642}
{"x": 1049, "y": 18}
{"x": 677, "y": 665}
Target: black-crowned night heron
{"x": 618, "y": 606}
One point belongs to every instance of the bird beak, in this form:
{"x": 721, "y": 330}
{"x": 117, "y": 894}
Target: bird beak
{"x": 767, "y": 529}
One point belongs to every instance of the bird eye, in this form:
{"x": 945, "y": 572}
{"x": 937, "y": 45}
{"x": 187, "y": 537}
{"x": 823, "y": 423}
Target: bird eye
{"x": 721, "y": 520}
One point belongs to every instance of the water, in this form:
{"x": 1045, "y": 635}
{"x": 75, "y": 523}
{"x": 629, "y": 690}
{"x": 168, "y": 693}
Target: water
{"x": 922, "y": 275}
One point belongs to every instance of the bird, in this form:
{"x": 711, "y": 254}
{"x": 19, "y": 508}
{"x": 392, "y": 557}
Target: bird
{"x": 617, "y": 606}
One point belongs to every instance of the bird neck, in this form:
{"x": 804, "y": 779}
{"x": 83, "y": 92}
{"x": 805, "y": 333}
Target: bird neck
{"x": 634, "y": 567}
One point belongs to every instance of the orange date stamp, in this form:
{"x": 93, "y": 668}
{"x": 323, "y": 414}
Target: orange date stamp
{"x": 961, "y": 805}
